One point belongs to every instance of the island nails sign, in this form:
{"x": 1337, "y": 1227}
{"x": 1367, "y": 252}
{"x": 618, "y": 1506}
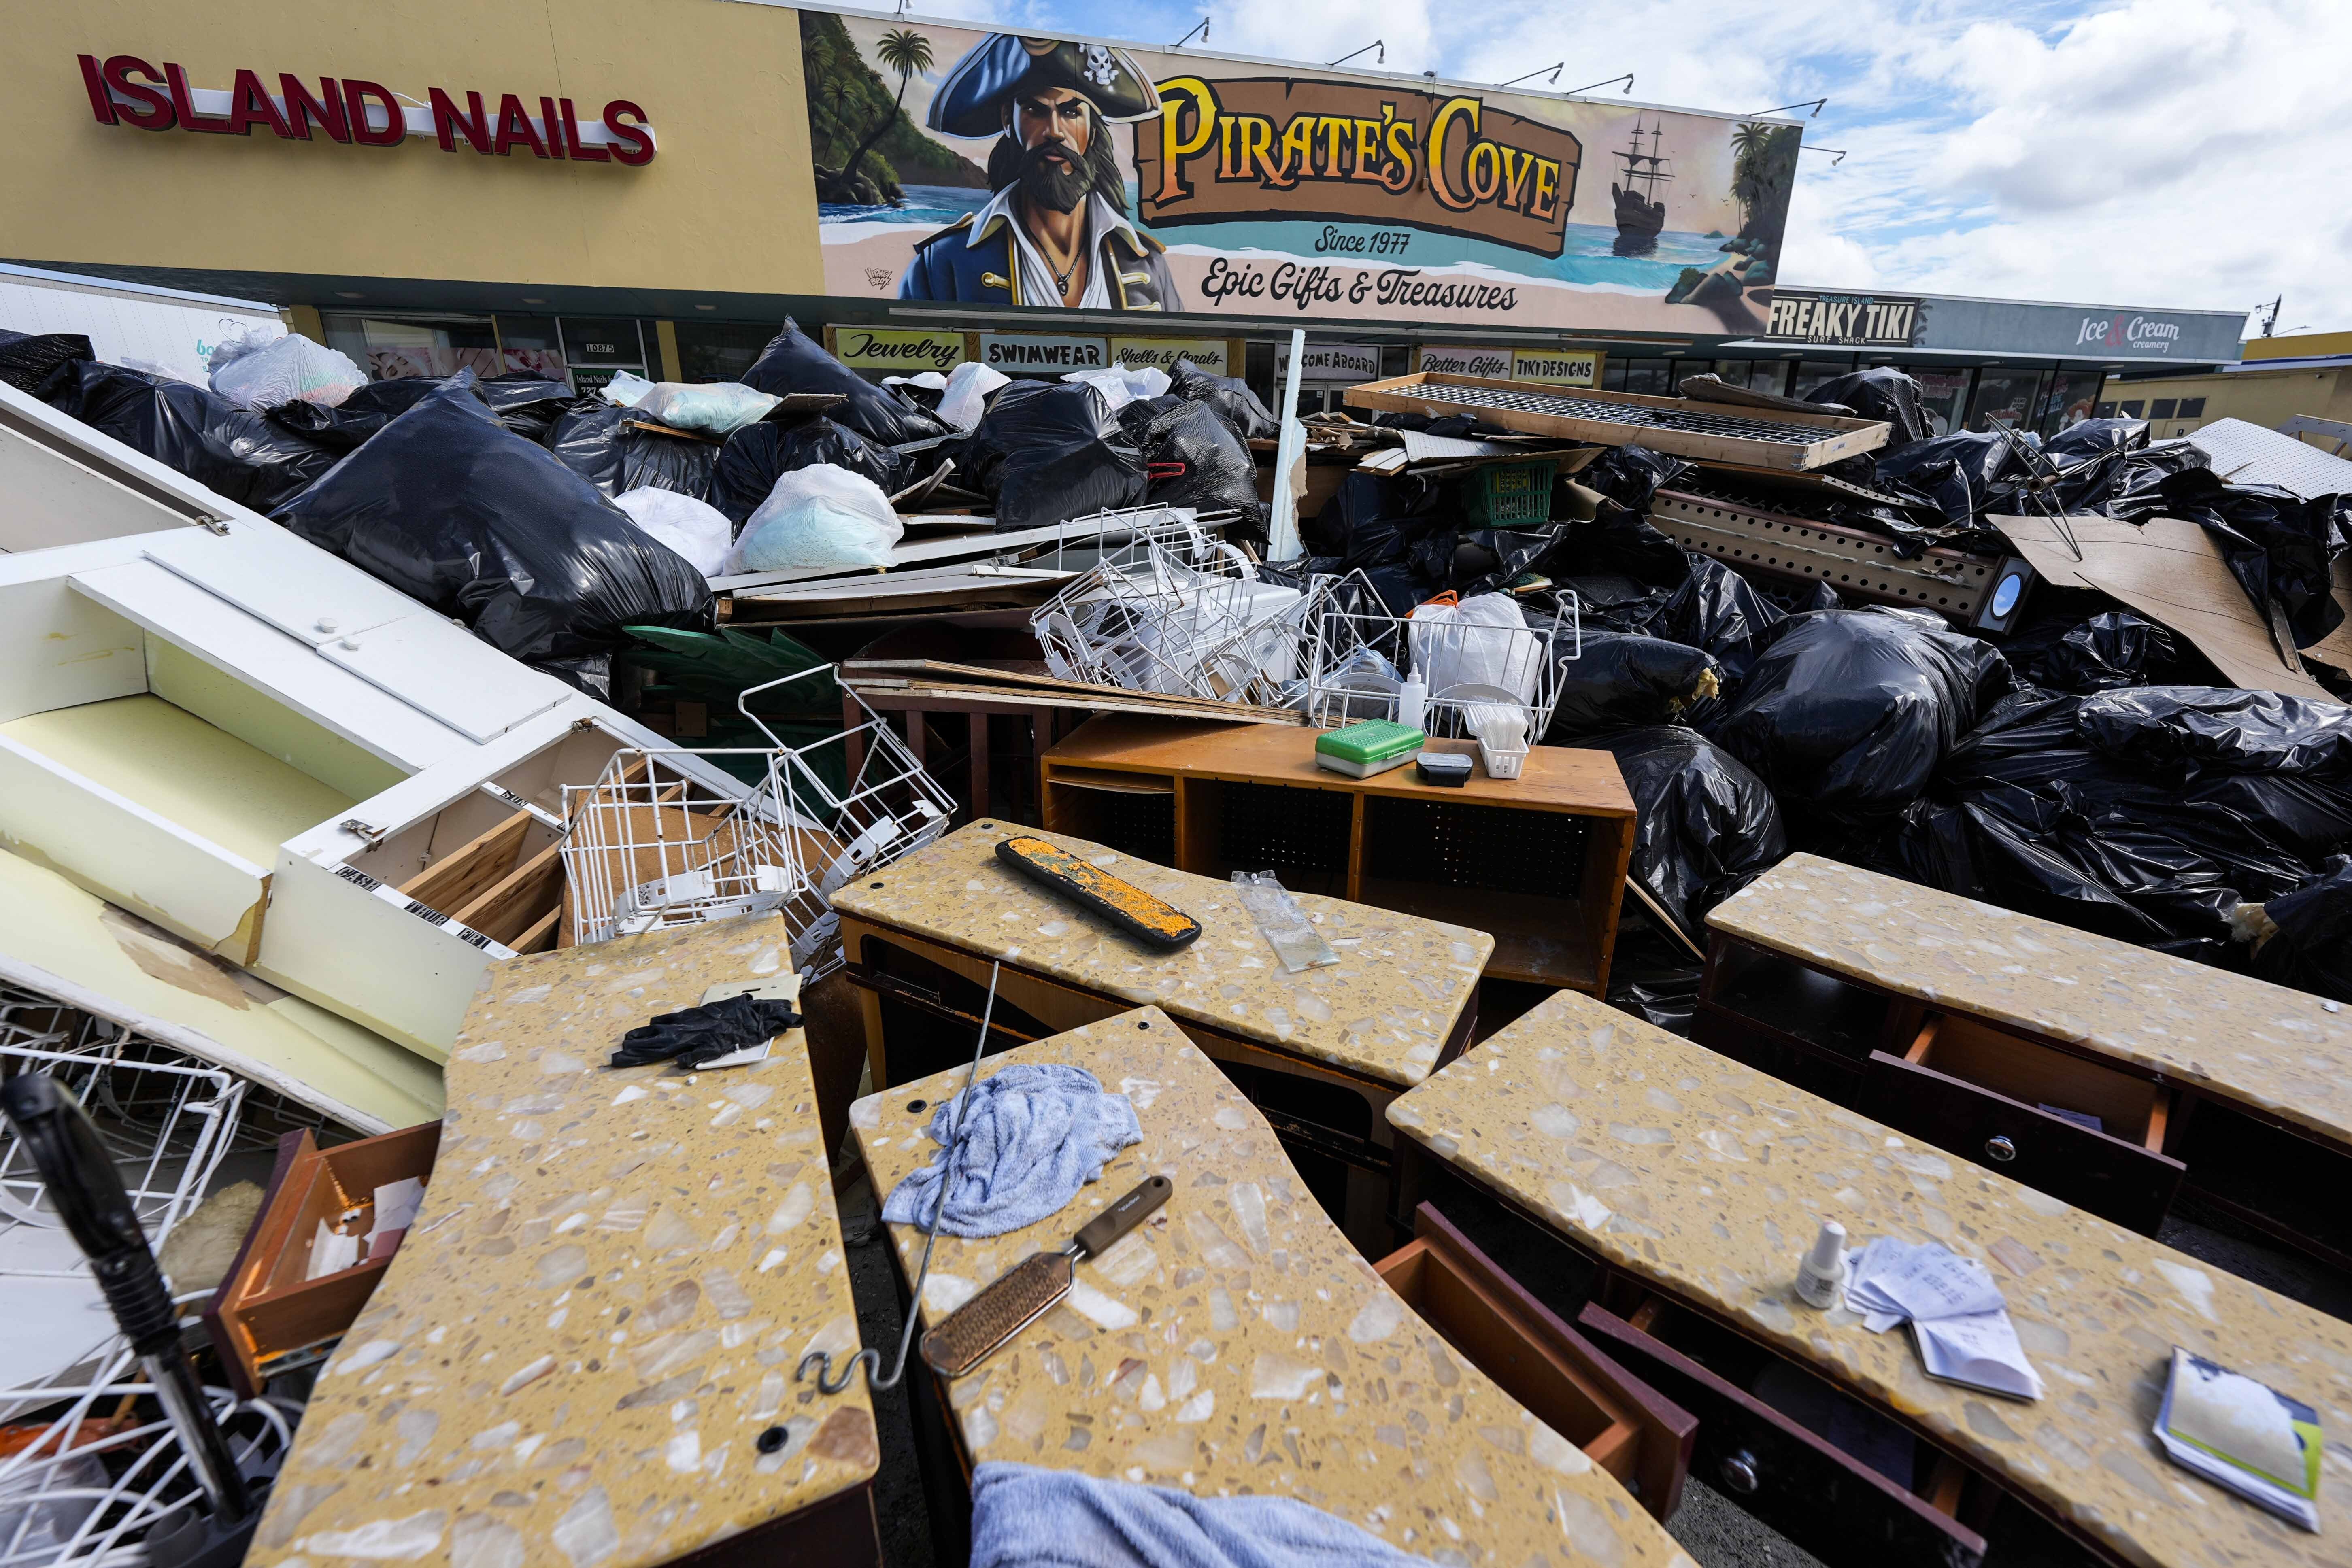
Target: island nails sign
{"x": 127, "y": 90}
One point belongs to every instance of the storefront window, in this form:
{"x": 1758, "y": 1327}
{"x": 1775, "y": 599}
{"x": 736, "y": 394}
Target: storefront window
{"x": 2004, "y": 398}
{"x": 2074, "y": 397}
{"x": 1811, "y": 374}
{"x": 390, "y": 348}
{"x": 720, "y": 351}
{"x": 1647, "y": 377}
{"x": 1943, "y": 397}
{"x": 1734, "y": 372}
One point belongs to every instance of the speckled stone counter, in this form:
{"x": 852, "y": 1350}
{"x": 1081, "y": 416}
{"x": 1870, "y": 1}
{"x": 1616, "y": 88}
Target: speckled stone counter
{"x": 1236, "y": 1342}
{"x": 1707, "y": 1178}
{"x": 1384, "y": 1011}
{"x": 599, "y": 1308}
{"x": 2238, "y": 1038}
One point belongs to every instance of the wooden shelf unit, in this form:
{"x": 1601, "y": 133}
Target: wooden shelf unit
{"x": 1537, "y": 861}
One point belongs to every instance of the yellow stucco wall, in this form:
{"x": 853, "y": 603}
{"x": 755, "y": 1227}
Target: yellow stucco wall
{"x": 725, "y": 204}
{"x": 2258, "y": 397}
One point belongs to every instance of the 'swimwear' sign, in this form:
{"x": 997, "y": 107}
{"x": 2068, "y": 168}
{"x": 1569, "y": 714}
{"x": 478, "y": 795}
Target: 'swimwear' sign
{"x": 124, "y": 90}
{"x": 1846, "y": 320}
{"x": 1016, "y": 353}
{"x": 904, "y": 354}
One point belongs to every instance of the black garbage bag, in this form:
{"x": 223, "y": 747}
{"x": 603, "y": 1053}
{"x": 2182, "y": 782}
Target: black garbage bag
{"x": 1846, "y": 713}
{"x": 368, "y": 409}
{"x": 1880, "y": 393}
{"x": 1193, "y": 458}
{"x": 2305, "y": 937}
{"x": 757, "y": 456}
{"x": 1956, "y": 473}
{"x": 527, "y": 404}
{"x": 1371, "y": 520}
{"x": 1720, "y": 610}
{"x": 2146, "y": 814}
{"x": 231, "y": 451}
{"x": 2142, "y": 469}
{"x": 2115, "y": 649}
{"x": 35, "y": 362}
{"x": 1629, "y": 476}
{"x": 2277, "y": 544}
{"x": 468, "y": 518}
{"x": 1135, "y": 419}
{"x": 599, "y": 442}
{"x": 1047, "y": 451}
{"x": 1229, "y": 396}
{"x": 1705, "y": 825}
{"x": 2092, "y": 437}
{"x": 1485, "y": 560}
{"x": 1651, "y": 975}
{"x": 1620, "y": 680}
{"x": 794, "y": 362}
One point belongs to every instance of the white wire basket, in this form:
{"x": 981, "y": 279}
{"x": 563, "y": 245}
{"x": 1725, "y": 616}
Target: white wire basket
{"x": 653, "y": 843}
{"x": 1358, "y": 659}
{"x": 87, "y": 1477}
{"x": 1159, "y": 622}
{"x": 1266, "y": 664}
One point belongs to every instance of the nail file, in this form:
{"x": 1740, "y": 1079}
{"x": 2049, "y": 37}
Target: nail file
{"x": 1124, "y": 904}
{"x": 1027, "y": 1291}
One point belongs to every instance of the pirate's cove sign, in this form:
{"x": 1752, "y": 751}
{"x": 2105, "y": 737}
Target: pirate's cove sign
{"x": 1268, "y": 147}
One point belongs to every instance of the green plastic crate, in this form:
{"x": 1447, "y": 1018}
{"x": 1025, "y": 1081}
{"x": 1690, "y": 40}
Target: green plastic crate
{"x": 1510, "y": 493}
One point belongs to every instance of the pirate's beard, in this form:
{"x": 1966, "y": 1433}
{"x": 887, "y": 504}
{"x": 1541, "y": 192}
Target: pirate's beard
{"x": 1058, "y": 187}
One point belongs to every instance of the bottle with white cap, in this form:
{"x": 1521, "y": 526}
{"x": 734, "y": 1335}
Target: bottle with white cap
{"x": 1820, "y": 1277}
{"x": 1413, "y": 700}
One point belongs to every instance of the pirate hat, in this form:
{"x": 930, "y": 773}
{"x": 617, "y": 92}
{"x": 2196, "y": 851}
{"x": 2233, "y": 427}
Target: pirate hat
{"x": 971, "y": 101}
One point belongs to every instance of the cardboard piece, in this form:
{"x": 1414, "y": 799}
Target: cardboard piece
{"x": 2171, "y": 572}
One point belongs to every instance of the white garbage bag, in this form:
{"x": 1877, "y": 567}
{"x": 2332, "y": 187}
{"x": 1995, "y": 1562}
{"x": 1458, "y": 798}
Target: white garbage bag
{"x": 695, "y": 529}
{"x": 714, "y": 408}
{"x": 965, "y": 398}
{"x": 291, "y": 369}
{"x": 821, "y": 516}
{"x": 1481, "y": 642}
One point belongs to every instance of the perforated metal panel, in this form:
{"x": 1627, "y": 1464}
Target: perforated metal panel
{"x": 1858, "y": 565}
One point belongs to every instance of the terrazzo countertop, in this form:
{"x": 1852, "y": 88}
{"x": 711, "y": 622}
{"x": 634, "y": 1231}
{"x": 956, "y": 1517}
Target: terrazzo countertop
{"x": 1235, "y": 1341}
{"x": 2240, "y": 1038}
{"x": 1384, "y": 1010}
{"x": 1687, "y": 1169}
{"x": 600, "y": 1304}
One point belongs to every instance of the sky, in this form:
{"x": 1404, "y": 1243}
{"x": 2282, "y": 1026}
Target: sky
{"x": 2188, "y": 154}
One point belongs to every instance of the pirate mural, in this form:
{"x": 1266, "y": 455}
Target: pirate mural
{"x": 990, "y": 169}
{"x": 1056, "y": 230}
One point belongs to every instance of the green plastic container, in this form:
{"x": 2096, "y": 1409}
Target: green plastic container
{"x": 1509, "y": 492}
{"x": 1373, "y": 746}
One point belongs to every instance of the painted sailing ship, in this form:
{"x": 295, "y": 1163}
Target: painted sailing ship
{"x": 1640, "y": 214}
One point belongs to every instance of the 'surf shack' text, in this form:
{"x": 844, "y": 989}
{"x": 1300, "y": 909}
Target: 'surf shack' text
{"x": 1337, "y": 151}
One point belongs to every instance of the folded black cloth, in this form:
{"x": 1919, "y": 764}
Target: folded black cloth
{"x": 693, "y": 1036}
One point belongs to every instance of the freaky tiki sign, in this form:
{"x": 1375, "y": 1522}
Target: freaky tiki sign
{"x": 1001, "y": 168}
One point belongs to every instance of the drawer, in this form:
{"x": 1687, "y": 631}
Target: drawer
{"x": 1625, "y": 1426}
{"x": 1995, "y": 1099}
{"x": 1823, "y": 1500}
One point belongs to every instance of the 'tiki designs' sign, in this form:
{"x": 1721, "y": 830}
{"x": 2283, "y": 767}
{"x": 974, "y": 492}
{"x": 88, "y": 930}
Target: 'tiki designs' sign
{"x": 127, "y": 90}
{"x": 1847, "y": 320}
{"x": 1273, "y": 147}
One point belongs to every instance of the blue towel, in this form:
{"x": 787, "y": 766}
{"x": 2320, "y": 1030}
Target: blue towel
{"x": 1032, "y": 1135}
{"x": 1024, "y": 1516}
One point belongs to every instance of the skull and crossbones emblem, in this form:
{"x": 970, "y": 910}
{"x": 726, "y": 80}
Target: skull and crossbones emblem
{"x": 1100, "y": 69}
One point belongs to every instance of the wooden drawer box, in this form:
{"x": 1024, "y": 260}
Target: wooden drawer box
{"x": 1993, "y": 1097}
{"x": 265, "y": 1309}
{"x": 1621, "y": 1423}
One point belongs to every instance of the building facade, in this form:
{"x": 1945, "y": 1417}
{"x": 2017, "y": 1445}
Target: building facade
{"x": 654, "y": 186}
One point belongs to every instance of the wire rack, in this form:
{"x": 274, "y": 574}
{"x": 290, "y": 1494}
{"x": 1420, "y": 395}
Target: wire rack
{"x": 1687, "y": 422}
{"x": 1358, "y": 659}
{"x": 652, "y": 844}
{"x": 84, "y": 1475}
{"x": 1156, "y": 622}
{"x": 1266, "y": 664}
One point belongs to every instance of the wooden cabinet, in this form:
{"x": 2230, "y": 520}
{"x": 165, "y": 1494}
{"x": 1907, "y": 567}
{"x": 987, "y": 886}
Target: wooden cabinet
{"x": 1537, "y": 861}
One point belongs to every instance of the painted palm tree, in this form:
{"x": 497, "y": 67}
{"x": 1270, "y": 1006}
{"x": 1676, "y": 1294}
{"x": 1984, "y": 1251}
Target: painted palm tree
{"x": 906, "y": 51}
{"x": 1763, "y": 165}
